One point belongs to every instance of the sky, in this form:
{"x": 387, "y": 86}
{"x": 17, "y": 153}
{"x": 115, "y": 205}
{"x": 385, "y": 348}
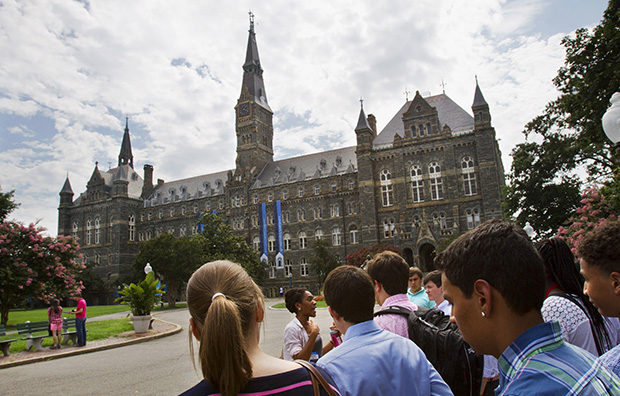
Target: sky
{"x": 72, "y": 71}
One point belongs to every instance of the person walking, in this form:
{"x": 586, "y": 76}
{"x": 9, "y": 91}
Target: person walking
{"x": 54, "y": 314}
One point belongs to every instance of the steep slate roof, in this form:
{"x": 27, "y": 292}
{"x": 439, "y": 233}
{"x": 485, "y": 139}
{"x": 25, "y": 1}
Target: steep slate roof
{"x": 308, "y": 167}
{"x": 449, "y": 113}
{"x": 66, "y": 188}
{"x": 186, "y": 189}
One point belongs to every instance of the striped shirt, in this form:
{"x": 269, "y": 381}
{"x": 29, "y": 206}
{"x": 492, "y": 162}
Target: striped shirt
{"x": 539, "y": 362}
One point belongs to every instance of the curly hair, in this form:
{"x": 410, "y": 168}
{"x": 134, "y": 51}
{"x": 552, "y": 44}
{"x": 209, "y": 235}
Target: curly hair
{"x": 293, "y": 296}
{"x": 601, "y": 247}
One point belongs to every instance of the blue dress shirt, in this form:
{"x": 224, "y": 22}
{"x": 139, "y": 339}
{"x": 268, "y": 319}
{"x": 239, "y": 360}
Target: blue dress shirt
{"x": 611, "y": 360}
{"x": 372, "y": 361}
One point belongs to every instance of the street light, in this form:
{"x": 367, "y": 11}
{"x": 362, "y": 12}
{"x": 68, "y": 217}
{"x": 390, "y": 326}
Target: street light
{"x": 147, "y": 268}
{"x": 611, "y": 120}
{"x": 529, "y": 230}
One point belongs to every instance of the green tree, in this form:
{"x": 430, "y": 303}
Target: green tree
{"x": 33, "y": 265}
{"x": 173, "y": 260}
{"x": 544, "y": 186}
{"x": 218, "y": 241}
{"x": 323, "y": 261}
{"x": 7, "y": 204}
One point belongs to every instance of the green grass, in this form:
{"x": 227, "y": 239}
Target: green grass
{"x": 95, "y": 331}
{"x": 319, "y": 304}
{"x": 40, "y": 315}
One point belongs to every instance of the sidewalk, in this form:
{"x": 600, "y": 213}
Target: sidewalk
{"x": 160, "y": 329}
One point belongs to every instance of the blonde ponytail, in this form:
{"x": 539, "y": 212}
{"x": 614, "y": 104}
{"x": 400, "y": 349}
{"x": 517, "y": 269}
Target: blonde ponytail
{"x": 223, "y": 322}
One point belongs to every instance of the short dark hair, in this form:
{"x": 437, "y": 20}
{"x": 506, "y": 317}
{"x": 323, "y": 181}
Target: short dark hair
{"x": 293, "y": 296}
{"x": 391, "y": 270}
{"x": 415, "y": 271}
{"x": 502, "y": 254}
{"x": 601, "y": 247}
{"x": 434, "y": 277}
{"x": 349, "y": 291}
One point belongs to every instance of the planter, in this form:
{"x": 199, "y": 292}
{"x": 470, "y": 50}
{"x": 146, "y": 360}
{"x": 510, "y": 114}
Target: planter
{"x": 141, "y": 323}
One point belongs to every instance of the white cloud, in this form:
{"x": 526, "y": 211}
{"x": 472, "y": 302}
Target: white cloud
{"x": 175, "y": 70}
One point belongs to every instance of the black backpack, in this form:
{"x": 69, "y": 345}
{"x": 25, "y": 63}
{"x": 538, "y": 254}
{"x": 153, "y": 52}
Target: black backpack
{"x": 442, "y": 343}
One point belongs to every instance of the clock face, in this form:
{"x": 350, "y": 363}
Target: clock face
{"x": 244, "y": 109}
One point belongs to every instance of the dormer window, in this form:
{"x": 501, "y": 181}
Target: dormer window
{"x": 338, "y": 160}
{"x": 323, "y": 164}
{"x": 206, "y": 185}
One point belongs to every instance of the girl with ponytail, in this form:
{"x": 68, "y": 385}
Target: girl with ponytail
{"x": 227, "y": 309}
{"x": 582, "y": 325}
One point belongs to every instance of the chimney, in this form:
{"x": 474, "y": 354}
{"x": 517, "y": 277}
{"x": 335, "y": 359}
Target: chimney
{"x": 147, "y": 187}
{"x": 372, "y": 121}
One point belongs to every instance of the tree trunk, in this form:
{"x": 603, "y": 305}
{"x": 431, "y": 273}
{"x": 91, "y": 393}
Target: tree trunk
{"x": 172, "y": 296}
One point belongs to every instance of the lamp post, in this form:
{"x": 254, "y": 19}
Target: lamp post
{"x": 611, "y": 120}
{"x": 148, "y": 268}
{"x": 529, "y": 230}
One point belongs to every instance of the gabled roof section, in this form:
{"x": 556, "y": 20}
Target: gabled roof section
{"x": 96, "y": 178}
{"x": 188, "y": 189}
{"x": 308, "y": 167}
{"x": 449, "y": 113}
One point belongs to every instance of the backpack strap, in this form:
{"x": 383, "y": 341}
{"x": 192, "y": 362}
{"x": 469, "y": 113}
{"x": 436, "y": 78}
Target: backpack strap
{"x": 393, "y": 311}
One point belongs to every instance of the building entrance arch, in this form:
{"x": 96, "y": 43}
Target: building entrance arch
{"x": 427, "y": 255}
{"x": 408, "y": 256}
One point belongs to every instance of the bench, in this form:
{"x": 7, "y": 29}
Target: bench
{"x": 66, "y": 334}
{"x": 33, "y": 340}
{"x": 5, "y": 344}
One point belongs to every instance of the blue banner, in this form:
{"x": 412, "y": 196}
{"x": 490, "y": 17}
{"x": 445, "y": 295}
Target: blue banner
{"x": 277, "y": 213}
{"x": 262, "y": 217}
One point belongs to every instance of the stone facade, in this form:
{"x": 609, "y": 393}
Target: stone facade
{"x": 434, "y": 171}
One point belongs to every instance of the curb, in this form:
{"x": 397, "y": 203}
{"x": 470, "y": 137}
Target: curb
{"x": 82, "y": 351}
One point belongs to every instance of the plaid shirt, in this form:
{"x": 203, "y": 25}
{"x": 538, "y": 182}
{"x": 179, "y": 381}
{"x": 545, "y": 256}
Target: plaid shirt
{"x": 55, "y": 318}
{"x": 539, "y": 362}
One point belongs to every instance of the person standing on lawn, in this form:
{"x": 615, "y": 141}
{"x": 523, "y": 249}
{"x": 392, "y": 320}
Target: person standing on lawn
{"x": 80, "y": 320}
{"x": 54, "y": 314}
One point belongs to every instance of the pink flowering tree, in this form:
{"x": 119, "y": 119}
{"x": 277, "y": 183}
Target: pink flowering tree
{"x": 597, "y": 206}
{"x": 36, "y": 266}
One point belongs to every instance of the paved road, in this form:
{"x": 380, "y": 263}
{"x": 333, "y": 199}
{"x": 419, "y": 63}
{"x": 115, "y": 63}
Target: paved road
{"x": 158, "y": 367}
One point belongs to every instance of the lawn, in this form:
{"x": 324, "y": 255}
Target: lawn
{"x": 40, "y": 315}
{"x": 96, "y": 330}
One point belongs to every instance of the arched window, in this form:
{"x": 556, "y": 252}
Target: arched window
{"x": 256, "y": 243}
{"x": 110, "y": 228}
{"x": 473, "y": 218}
{"x": 335, "y": 209}
{"x": 387, "y": 195}
{"x": 303, "y": 240}
{"x": 132, "y": 227}
{"x": 428, "y": 129}
{"x": 271, "y": 243}
{"x": 89, "y": 231}
{"x": 413, "y": 131}
{"x": 74, "y": 232}
{"x": 318, "y": 234}
{"x": 182, "y": 230}
{"x": 97, "y": 230}
{"x": 417, "y": 184}
{"x": 286, "y": 241}
{"x": 469, "y": 176}
{"x": 336, "y": 236}
{"x": 388, "y": 228}
{"x": 354, "y": 235}
{"x": 303, "y": 267}
{"x": 421, "y": 129}
{"x": 434, "y": 173}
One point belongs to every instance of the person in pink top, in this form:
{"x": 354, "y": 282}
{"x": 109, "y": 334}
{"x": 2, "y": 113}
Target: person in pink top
{"x": 390, "y": 274}
{"x": 54, "y": 314}
{"x": 80, "y": 320}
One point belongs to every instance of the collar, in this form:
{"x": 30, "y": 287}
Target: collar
{"x": 416, "y": 293}
{"x": 360, "y": 329}
{"x": 396, "y": 299}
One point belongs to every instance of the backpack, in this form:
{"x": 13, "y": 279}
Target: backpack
{"x": 442, "y": 343}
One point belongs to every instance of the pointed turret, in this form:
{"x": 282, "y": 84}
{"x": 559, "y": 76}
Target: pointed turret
{"x": 480, "y": 107}
{"x": 64, "y": 214}
{"x": 126, "y": 157}
{"x": 364, "y": 131}
{"x": 66, "y": 194}
{"x": 362, "y": 121}
{"x": 66, "y": 188}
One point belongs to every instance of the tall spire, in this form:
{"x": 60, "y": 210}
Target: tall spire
{"x": 480, "y": 107}
{"x": 66, "y": 188}
{"x": 126, "y": 157}
{"x": 362, "y": 122}
{"x": 252, "y": 70}
{"x": 478, "y": 97}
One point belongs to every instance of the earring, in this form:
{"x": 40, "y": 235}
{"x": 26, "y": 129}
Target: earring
{"x": 298, "y": 308}
{"x": 483, "y": 314}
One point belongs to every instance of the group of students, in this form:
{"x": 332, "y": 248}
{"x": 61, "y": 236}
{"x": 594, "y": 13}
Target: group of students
{"x": 493, "y": 277}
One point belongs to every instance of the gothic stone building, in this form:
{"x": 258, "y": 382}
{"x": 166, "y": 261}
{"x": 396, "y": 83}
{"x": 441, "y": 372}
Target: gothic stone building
{"x": 432, "y": 172}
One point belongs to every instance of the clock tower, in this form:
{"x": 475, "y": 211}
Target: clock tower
{"x": 254, "y": 118}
